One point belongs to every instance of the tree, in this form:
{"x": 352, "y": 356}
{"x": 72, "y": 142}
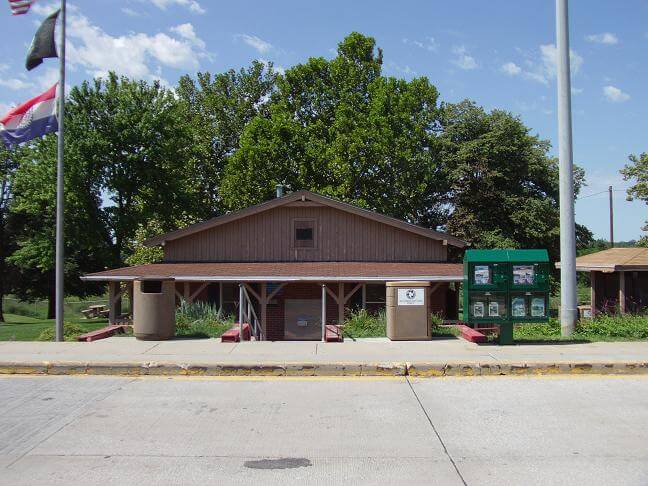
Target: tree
{"x": 8, "y": 166}
{"x": 33, "y": 219}
{"x": 503, "y": 186}
{"x": 342, "y": 129}
{"x": 637, "y": 171}
{"x": 216, "y": 109}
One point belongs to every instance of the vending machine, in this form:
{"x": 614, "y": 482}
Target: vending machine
{"x": 506, "y": 287}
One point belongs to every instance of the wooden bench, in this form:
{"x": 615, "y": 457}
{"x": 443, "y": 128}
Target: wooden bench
{"x": 233, "y": 335}
{"x": 102, "y": 333}
{"x": 470, "y": 334}
{"x": 333, "y": 334}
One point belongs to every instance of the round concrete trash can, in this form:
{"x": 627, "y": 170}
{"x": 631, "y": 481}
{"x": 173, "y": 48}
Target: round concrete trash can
{"x": 154, "y": 308}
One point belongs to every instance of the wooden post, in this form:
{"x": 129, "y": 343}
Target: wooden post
{"x": 323, "y": 312}
{"x": 220, "y": 297}
{"x": 364, "y": 296}
{"x": 114, "y": 302}
{"x": 187, "y": 291}
{"x": 341, "y": 300}
{"x": 622, "y": 296}
{"x": 593, "y": 292}
{"x": 264, "y": 308}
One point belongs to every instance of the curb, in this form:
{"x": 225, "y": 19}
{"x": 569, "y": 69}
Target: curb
{"x": 417, "y": 369}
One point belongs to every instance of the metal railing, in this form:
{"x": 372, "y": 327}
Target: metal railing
{"x": 247, "y": 315}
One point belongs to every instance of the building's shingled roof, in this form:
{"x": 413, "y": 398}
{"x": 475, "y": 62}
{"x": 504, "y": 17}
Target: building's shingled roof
{"x": 614, "y": 259}
{"x": 306, "y": 196}
{"x": 288, "y": 271}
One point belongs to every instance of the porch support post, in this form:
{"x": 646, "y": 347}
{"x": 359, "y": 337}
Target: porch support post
{"x": 220, "y": 297}
{"x": 187, "y": 291}
{"x": 364, "y": 296}
{"x": 323, "y": 312}
{"x": 114, "y": 301}
{"x": 241, "y": 312}
{"x": 622, "y": 293}
{"x": 593, "y": 292}
{"x": 341, "y": 300}
{"x": 129, "y": 289}
{"x": 264, "y": 308}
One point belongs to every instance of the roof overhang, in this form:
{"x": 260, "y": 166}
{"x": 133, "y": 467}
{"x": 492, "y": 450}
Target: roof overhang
{"x": 270, "y": 278}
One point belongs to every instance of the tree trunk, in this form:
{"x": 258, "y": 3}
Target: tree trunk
{"x": 51, "y": 301}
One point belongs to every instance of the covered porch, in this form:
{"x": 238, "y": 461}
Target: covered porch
{"x": 291, "y": 301}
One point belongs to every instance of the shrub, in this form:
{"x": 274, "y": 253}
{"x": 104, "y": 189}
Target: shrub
{"x": 71, "y": 332}
{"x": 361, "y": 323}
{"x": 201, "y": 319}
{"x": 606, "y": 326}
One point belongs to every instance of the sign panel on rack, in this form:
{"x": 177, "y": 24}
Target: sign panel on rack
{"x": 411, "y": 296}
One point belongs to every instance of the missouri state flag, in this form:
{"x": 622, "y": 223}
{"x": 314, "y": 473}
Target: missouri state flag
{"x": 32, "y": 119}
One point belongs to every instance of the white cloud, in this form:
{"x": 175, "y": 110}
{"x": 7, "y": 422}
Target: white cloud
{"x": 605, "y": 38}
{"x": 511, "y": 69}
{"x": 429, "y": 44}
{"x": 615, "y": 95}
{"x": 49, "y": 77}
{"x": 576, "y": 91}
{"x": 406, "y": 70}
{"x": 263, "y": 47}
{"x": 130, "y": 12}
{"x": 15, "y": 84}
{"x": 277, "y": 68}
{"x": 192, "y": 5}
{"x": 463, "y": 60}
{"x": 544, "y": 70}
{"x": 187, "y": 31}
{"x": 137, "y": 55}
{"x": 5, "y": 107}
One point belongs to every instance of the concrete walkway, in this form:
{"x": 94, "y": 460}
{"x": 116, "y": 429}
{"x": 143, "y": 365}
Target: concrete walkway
{"x": 125, "y": 355}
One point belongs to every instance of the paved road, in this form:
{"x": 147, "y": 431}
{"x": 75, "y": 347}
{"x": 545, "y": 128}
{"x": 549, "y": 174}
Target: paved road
{"x": 504, "y": 430}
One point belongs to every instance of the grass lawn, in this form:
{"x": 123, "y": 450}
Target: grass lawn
{"x": 24, "y": 328}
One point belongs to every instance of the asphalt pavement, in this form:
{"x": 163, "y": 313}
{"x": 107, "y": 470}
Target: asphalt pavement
{"x": 88, "y": 430}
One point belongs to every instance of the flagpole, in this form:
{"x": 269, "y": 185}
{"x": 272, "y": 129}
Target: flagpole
{"x": 60, "y": 187}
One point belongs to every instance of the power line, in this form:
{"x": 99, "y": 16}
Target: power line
{"x": 601, "y": 192}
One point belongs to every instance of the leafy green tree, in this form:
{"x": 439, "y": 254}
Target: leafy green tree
{"x": 216, "y": 109}
{"x": 33, "y": 217}
{"x": 8, "y": 166}
{"x": 503, "y": 186}
{"x": 133, "y": 135}
{"x": 637, "y": 171}
{"x": 342, "y": 129}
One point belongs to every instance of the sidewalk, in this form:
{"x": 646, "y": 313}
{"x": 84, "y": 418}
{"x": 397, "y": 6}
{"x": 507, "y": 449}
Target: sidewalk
{"x": 377, "y": 357}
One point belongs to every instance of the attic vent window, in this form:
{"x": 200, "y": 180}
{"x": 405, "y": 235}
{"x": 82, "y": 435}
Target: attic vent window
{"x": 304, "y": 231}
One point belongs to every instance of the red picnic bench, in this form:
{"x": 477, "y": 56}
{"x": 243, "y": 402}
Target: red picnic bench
{"x": 233, "y": 335}
{"x": 470, "y": 334}
{"x": 333, "y": 334}
{"x": 103, "y": 333}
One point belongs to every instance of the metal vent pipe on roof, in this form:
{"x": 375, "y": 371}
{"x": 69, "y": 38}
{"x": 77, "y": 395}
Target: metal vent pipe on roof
{"x": 280, "y": 190}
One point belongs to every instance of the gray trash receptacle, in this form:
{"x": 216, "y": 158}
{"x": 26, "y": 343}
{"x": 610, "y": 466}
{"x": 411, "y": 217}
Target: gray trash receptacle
{"x": 407, "y": 311}
{"x": 154, "y": 308}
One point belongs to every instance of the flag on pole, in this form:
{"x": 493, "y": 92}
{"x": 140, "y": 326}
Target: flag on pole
{"x": 32, "y": 119}
{"x": 19, "y": 7}
{"x": 43, "y": 44}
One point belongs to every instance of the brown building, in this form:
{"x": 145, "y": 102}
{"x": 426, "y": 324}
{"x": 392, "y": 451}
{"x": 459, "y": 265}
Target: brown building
{"x": 290, "y": 254}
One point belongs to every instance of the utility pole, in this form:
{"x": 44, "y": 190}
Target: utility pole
{"x": 60, "y": 200}
{"x": 611, "y": 219}
{"x": 568, "y": 303}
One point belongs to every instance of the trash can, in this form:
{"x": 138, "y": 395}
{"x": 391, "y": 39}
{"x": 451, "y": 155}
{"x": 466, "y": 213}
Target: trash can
{"x": 407, "y": 311}
{"x": 154, "y": 308}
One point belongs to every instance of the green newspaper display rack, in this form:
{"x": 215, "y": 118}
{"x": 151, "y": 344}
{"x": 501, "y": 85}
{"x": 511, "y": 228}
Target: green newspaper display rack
{"x": 506, "y": 287}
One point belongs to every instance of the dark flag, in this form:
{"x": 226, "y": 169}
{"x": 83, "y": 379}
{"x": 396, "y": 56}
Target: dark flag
{"x": 43, "y": 44}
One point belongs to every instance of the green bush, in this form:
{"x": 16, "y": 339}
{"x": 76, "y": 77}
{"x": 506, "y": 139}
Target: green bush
{"x": 614, "y": 327}
{"x": 201, "y": 319}
{"x": 360, "y": 324}
{"x": 71, "y": 332}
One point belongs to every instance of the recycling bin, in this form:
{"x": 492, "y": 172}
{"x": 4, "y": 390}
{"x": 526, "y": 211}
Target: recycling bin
{"x": 407, "y": 311}
{"x": 154, "y": 308}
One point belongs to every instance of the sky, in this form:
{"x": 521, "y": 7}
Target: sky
{"x": 500, "y": 53}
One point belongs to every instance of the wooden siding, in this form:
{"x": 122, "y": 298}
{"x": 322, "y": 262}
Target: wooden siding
{"x": 339, "y": 236}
